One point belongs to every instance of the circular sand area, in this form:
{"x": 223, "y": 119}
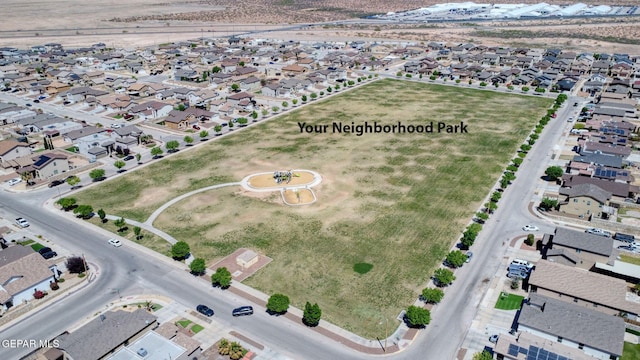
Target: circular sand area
{"x": 266, "y": 180}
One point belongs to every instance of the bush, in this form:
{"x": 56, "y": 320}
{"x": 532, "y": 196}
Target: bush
{"x": 312, "y": 314}
{"x": 61, "y": 280}
{"x": 76, "y": 265}
{"x": 529, "y": 240}
{"x": 180, "y": 250}
{"x": 278, "y": 304}
{"x": 221, "y": 278}
{"x": 54, "y": 286}
{"x": 38, "y": 294}
{"x": 417, "y": 316}
{"x": 81, "y": 275}
{"x": 432, "y": 295}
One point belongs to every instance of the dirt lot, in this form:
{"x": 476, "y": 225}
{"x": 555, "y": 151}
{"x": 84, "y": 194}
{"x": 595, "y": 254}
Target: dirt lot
{"x": 128, "y": 23}
{"x": 395, "y": 201}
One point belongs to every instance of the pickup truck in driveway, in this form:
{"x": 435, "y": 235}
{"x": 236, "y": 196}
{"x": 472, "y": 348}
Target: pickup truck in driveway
{"x": 22, "y": 222}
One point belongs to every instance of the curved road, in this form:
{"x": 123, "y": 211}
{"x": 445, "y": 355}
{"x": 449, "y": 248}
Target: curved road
{"x": 130, "y": 271}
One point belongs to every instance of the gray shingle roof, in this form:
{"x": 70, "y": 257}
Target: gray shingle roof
{"x": 590, "y": 190}
{"x": 99, "y": 337}
{"x": 586, "y": 242}
{"x": 573, "y": 322}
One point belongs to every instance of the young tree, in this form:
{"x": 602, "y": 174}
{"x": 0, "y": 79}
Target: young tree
{"x": 275, "y": 109}
{"x": 313, "y": 96}
{"x": 76, "y": 265}
{"x": 136, "y": 231}
{"x": 217, "y": 129}
{"x": 456, "y": 258}
{"x": 119, "y": 164}
{"x": 304, "y": 98}
{"x": 554, "y": 173}
{"x": 83, "y": 211}
{"x": 156, "y": 152}
{"x": 443, "y": 277}
{"x": 138, "y": 157}
{"x": 548, "y": 203}
{"x": 188, "y": 140}
{"x": 120, "y": 224}
{"x": 530, "y": 239}
{"x": 235, "y": 87}
{"x": 432, "y": 295}
{"x": 312, "y": 314}
{"x": 285, "y": 104}
{"x": 216, "y": 69}
{"x": 221, "y": 278}
{"x": 417, "y": 316}
{"x": 180, "y": 250}
{"x": 197, "y": 266}
{"x": 96, "y": 174}
{"x": 203, "y": 134}
{"x": 484, "y": 355}
{"x": 66, "y": 203}
{"x": 243, "y": 121}
{"x": 294, "y": 102}
{"x": 102, "y": 215}
{"x": 172, "y": 146}
{"x": 278, "y": 304}
{"x": 254, "y": 115}
{"x": 74, "y": 180}
{"x": 181, "y": 107}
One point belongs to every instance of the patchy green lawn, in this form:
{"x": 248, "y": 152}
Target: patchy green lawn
{"x": 630, "y": 351}
{"x": 184, "y": 323}
{"x": 508, "y": 301}
{"x": 396, "y": 202}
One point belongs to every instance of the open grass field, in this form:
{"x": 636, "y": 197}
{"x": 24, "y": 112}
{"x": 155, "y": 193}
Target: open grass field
{"x": 396, "y": 202}
{"x": 630, "y": 259}
{"x": 509, "y": 302}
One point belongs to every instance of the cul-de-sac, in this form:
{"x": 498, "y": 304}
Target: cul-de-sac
{"x": 290, "y": 179}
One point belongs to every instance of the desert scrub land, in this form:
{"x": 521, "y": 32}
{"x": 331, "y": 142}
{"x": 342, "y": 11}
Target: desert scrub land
{"x": 394, "y": 201}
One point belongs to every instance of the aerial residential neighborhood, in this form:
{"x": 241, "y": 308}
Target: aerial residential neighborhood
{"x": 413, "y": 181}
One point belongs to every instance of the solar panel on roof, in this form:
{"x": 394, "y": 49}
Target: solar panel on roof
{"x": 523, "y": 351}
{"x": 513, "y": 350}
{"x": 552, "y": 356}
{"x": 543, "y": 354}
{"x": 531, "y": 357}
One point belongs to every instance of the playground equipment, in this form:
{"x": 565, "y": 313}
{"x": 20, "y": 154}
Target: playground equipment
{"x": 281, "y": 176}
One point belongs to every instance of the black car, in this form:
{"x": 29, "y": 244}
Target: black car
{"x": 128, "y": 157}
{"x": 44, "y": 250}
{"x": 242, "y": 310}
{"x": 624, "y": 237}
{"x": 56, "y": 183}
{"x": 204, "y": 310}
{"x": 36, "y": 101}
{"x": 49, "y": 255}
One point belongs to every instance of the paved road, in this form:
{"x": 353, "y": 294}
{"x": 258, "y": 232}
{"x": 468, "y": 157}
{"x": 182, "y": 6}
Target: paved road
{"x": 131, "y": 272}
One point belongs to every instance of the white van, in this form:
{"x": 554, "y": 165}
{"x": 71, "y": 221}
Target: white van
{"x": 524, "y": 263}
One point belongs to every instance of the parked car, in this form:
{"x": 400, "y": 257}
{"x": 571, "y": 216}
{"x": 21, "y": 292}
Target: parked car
{"x": 624, "y": 237}
{"x": 494, "y": 338}
{"x": 469, "y": 256}
{"x": 600, "y": 232}
{"x": 196, "y": 127}
{"x": 36, "y": 101}
{"x": 44, "y": 250}
{"x": 14, "y": 181}
{"x": 128, "y": 157}
{"x": 27, "y": 104}
{"x": 115, "y": 242}
{"x": 56, "y": 183}
{"x": 22, "y": 222}
{"x": 242, "y": 310}
{"x": 204, "y": 310}
{"x": 627, "y": 247}
{"x": 49, "y": 255}
{"x": 530, "y": 228}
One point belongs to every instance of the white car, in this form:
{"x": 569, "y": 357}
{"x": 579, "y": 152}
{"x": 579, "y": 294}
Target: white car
{"x": 22, "y": 222}
{"x": 115, "y": 242}
{"x": 14, "y": 181}
{"x": 530, "y": 228}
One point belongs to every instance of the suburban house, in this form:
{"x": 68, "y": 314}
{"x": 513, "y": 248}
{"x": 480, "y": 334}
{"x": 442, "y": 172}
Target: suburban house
{"x": 183, "y": 120}
{"x": 11, "y": 149}
{"x": 166, "y": 340}
{"x": 22, "y": 272}
{"x": 106, "y": 333}
{"x": 91, "y": 141}
{"x": 151, "y": 110}
{"x": 578, "y": 286}
{"x": 235, "y": 99}
{"x": 512, "y": 348}
{"x": 617, "y": 189}
{"x": 125, "y": 137}
{"x": 586, "y": 201}
{"x": 576, "y": 248}
{"x": 46, "y": 165}
{"x": 595, "y": 333}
